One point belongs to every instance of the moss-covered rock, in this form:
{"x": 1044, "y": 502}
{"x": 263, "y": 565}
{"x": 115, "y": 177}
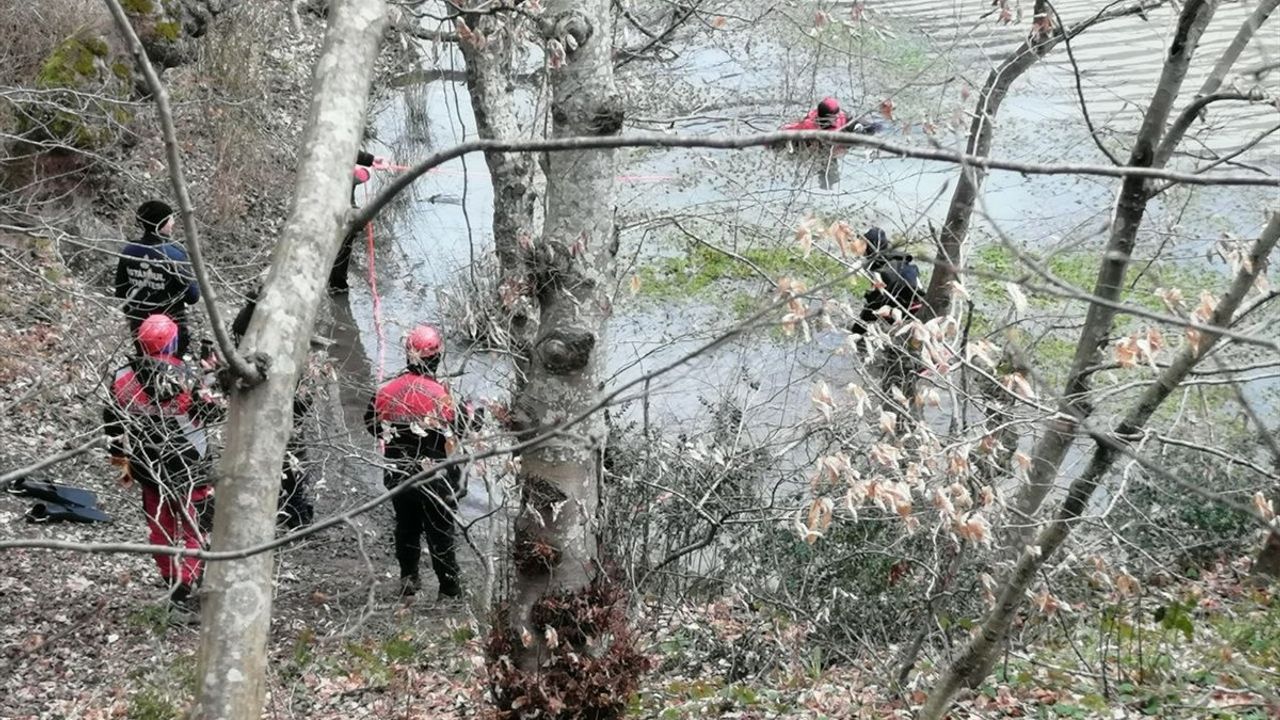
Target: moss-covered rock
{"x": 82, "y": 66}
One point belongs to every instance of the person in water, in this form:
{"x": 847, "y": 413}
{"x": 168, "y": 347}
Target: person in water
{"x": 826, "y": 116}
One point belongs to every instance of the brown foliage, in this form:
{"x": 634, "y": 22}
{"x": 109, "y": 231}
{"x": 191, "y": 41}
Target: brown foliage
{"x": 592, "y": 666}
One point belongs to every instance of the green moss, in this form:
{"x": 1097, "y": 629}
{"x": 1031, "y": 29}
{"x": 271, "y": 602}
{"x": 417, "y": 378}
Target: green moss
{"x": 151, "y": 703}
{"x": 168, "y": 30}
{"x": 1080, "y": 270}
{"x": 701, "y": 269}
{"x": 79, "y": 63}
{"x": 139, "y": 7}
{"x": 994, "y": 259}
{"x": 72, "y": 62}
{"x": 97, "y": 46}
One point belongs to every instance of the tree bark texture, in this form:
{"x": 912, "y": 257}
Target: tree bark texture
{"x": 238, "y": 593}
{"x": 955, "y": 228}
{"x": 573, "y": 267}
{"x": 1266, "y": 566}
{"x": 1127, "y": 218}
{"x": 491, "y": 84}
{"x": 974, "y": 662}
{"x": 490, "y": 55}
{"x": 562, "y": 649}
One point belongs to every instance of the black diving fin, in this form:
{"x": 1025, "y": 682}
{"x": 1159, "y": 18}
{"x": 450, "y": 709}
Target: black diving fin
{"x": 53, "y": 492}
{"x": 47, "y": 512}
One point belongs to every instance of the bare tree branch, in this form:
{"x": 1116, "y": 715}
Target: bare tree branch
{"x": 720, "y": 142}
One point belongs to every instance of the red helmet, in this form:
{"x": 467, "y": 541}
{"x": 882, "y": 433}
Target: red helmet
{"x": 423, "y": 342}
{"x": 829, "y": 106}
{"x": 158, "y": 335}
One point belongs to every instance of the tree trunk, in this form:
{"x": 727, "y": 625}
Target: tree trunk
{"x": 959, "y": 213}
{"x": 491, "y": 84}
{"x": 1266, "y": 566}
{"x": 1130, "y": 208}
{"x": 574, "y": 268}
{"x": 238, "y": 593}
{"x": 956, "y": 227}
{"x": 978, "y": 653}
{"x": 552, "y": 656}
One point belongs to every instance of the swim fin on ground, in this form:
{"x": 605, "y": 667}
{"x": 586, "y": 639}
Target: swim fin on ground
{"x": 51, "y": 512}
{"x": 53, "y": 492}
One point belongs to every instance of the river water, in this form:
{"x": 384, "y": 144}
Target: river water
{"x": 743, "y": 81}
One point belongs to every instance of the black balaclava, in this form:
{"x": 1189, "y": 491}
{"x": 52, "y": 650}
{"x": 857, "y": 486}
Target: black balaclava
{"x": 425, "y": 366}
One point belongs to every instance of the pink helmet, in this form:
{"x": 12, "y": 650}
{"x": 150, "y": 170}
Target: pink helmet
{"x": 361, "y": 175}
{"x": 158, "y": 335}
{"x": 829, "y": 106}
{"x": 423, "y": 342}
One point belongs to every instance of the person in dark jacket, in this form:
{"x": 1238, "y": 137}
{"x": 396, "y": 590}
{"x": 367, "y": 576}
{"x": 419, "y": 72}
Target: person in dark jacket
{"x": 418, "y": 420}
{"x": 154, "y": 274}
{"x": 293, "y": 507}
{"x": 155, "y": 421}
{"x": 900, "y": 280}
{"x": 365, "y": 162}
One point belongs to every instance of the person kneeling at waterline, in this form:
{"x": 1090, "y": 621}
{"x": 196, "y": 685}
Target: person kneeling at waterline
{"x": 418, "y": 420}
{"x": 899, "y": 286}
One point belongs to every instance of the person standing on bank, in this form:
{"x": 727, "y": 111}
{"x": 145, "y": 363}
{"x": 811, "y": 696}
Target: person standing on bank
{"x": 154, "y": 276}
{"x": 155, "y": 421}
{"x": 898, "y": 293}
{"x": 418, "y": 420}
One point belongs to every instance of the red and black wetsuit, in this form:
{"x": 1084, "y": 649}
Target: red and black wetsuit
{"x": 155, "y": 418}
{"x": 417, "y": 419}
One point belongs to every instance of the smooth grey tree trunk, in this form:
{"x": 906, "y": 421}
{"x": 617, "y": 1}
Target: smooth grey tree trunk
{"x": 985, "y": 643}
{"x": 572, "y": 265}
{"x": 238, "y": 593}
{"x": 491, "y": 85}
